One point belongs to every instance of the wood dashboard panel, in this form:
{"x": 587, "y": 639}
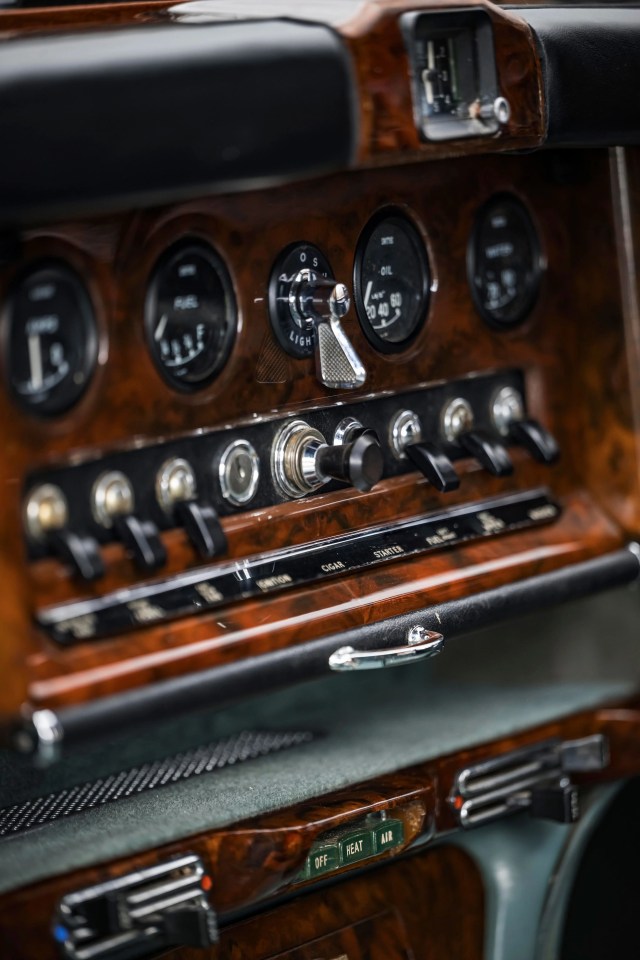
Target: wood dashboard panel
{"x": 583, "y": 400}
{"x": 255, "y": 861}
{"x": 407, "y": 911}
{"x": 371, "y": 32}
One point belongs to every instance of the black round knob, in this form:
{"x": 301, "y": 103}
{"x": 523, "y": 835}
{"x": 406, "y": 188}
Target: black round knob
{"x": 359, "y": 463}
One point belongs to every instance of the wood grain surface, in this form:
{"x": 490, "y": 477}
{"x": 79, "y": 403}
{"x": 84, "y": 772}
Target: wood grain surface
{"x": 406, "y": 911}
{"x": 571, "y": 351}
{"x": 371, "y": 32}
{"x": 255, "y": 860}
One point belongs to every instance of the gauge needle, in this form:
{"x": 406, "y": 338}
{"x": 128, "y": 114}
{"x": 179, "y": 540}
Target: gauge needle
{"x": 164, "y": 319}
{"x": 367, "y": 293}
{"x": 35, "y": 360}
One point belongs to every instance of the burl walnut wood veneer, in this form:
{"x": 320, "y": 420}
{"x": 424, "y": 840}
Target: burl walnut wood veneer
{"x": 571, "y": 351}
{"x": 371, "y": 32}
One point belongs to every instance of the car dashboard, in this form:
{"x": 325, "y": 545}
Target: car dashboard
{"x": 320, "y": 353}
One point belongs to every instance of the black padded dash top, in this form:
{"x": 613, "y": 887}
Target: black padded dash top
{"x": 110, "y": 118}
{"x": 591, "y": 70}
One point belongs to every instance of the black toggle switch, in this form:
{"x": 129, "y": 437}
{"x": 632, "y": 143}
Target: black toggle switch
{"x": 48, "y": 525}
{"x": 535, "y": 438}
{"x": 80, "y": 552}
{"x": 177, "y": 493}
{"x": 142, "y": 539}
{"x": 202, "y": 526}
{"x": 359, "y": 463}
{"x": 489, "y": 453}
{"x": 434, "y": 465}
{"x": 558, "y": 802}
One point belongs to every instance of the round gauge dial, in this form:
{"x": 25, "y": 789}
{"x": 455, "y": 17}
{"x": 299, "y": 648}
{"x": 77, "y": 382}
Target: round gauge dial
{"x": 391, "y": 282}
{"x": 50, "y": 339}
{"x": 504, "y": 262}
{"x": 293, "y": 334}
{"x": 190, "y": 316}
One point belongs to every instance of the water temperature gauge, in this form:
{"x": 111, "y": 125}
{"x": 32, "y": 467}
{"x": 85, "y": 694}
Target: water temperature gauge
{"x": 391, "y": 282}
{"x": 50, "y": 339}
{"x": 190, "y": 316}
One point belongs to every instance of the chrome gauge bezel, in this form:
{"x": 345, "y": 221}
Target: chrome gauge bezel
{"x": 412, "y": 231}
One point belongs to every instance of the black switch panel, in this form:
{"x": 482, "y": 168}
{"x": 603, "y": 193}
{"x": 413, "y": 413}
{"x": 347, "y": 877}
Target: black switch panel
{"x": 204, "y": 452}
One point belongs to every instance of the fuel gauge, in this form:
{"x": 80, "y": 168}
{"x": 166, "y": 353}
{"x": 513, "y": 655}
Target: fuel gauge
{"x": 190, "y": 315}
{"x": 391, "y": 282}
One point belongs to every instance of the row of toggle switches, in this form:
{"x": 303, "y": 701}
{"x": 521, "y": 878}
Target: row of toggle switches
{"x": 114, "y": 508}
{"x": 302, "y": 461}
{"x": 457, "y": 427}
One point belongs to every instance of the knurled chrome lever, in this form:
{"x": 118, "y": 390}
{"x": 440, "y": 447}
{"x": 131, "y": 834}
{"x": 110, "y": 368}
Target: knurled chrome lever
{"x": 321, "y": 303}
{"x": 421, "y": 644}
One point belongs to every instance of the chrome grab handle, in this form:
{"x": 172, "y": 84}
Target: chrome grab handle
{"x": 421, "y": 644}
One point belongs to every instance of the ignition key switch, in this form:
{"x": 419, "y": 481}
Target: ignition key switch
{"x": 302, "y": 460}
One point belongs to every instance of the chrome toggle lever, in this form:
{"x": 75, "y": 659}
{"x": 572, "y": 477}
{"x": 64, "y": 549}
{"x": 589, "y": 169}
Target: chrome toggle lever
{"x": 421, "y": 644}
{"x": 320, "y": 304}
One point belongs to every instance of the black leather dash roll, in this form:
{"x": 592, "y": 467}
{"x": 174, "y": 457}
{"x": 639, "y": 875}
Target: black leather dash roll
{"x": 591, "y": 67}
{"x": 153, "y": 113}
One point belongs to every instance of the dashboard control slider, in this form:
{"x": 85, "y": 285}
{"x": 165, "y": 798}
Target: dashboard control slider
{"x": 534, "y": 778}
{"x": 138, "y": 914}
{"x": 405, "y": 439}
{"x": 535, "y": 438}
{"x": 369, "y": 837}
{"x": 490, "y": 454}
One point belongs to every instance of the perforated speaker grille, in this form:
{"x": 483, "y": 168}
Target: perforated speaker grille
{"x": 248, "y": 745}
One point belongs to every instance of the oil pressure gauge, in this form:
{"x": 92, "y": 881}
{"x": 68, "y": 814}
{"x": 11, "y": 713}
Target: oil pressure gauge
{"x": 190, "y": 315}
{"x": 391, "y": 282}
